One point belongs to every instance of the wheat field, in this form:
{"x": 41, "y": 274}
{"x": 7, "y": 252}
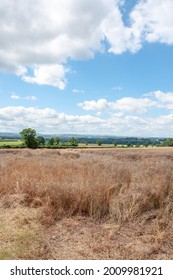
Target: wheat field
{"x": 86, "y": 203}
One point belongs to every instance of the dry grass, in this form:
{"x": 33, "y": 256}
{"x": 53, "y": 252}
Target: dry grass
{"x": 94, "y": 204}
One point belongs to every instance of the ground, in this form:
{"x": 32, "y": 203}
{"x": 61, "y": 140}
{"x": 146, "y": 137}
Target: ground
{"x": 86, "y": 204}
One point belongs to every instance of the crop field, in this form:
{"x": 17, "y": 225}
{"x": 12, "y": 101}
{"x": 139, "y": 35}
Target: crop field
{"x": 86, "y": 203}
{"x": 10, "y": 142}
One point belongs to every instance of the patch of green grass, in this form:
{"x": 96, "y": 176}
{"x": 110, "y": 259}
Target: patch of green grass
{"x": 25, "y": 236}
{"x": 23, "y": 245}
{"x": 10, "y": 143}
{"x": 5, "y": 255}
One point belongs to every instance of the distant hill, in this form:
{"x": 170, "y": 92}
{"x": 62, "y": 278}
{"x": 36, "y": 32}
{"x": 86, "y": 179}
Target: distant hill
{"x": 9, "y": 135}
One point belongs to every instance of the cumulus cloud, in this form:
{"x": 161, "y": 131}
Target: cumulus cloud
{"x": 157, "y": 99}
{"x": 53, "y": 75}
{"x": 127, "y": 104}
{"x": 48, "y": 120}
{"x": 101, "y": 104}
{"x": 44, "y": 35}
{"x": 165, "y": 98}
{"x": 15, "y": 96}
{"x": 154, "y": 20}
{"x": 49, "y": 33}
{"x": 149, "y": 21}
{"x": 45, "y": 120}
{"x": 133, "y": 105}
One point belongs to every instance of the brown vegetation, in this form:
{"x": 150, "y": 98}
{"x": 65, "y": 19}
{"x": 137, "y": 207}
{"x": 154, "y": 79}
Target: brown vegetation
{"x": 86, "y": 204}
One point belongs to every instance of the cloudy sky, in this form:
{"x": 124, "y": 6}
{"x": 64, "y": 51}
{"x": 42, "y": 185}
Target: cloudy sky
{"x": 87, "y": 66}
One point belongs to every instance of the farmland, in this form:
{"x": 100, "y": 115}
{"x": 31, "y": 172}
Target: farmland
{"x": 86, "y": 203}
{"x": 10, "y": 142}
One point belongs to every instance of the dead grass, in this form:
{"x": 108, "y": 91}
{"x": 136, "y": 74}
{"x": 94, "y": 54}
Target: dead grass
{"x": 95, "y": 204}
{"x": 20, "y": 235}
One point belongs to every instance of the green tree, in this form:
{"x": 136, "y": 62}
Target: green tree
{"x": 41, "y": 140}
{"x": 168, "y": 142}
{"x": 146, "y": 144}
{"x": 56, "y": 141}
{"x": 114, "y": 143}
{"x": 99, "y": 142}
{"x": 51, "y": 141}
{"x": 128, "y": 144}
{"x": 73, "y": 141}
{"x": 28, "y": 136}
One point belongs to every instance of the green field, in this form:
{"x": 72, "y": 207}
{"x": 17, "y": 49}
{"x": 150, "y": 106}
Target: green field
{"x": 10, "y": 143}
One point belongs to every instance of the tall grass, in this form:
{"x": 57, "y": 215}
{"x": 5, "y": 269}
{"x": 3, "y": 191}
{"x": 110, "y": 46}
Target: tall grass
{"x": 125, "y": 196}
{"x": 116, "y": 187}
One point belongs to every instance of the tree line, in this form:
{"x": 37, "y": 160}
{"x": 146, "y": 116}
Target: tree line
{"x": 30, "y": 140}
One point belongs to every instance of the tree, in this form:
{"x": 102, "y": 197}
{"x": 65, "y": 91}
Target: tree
{"x": 73, "y": 141}
{"x": 56, "y": 140}
{"x": 168, "y": 142}
{"x": 128, "y": 144}
{"x": 51, "y": 141}
{"x": 114, "y": 143}
{"x": 99, "y": 142}
{"x": 41, "y": 140}
{"x": 28, "y": 136}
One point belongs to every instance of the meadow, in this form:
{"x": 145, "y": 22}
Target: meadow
{"x": 9, "y": 142}
{"x": 86, "y": 203}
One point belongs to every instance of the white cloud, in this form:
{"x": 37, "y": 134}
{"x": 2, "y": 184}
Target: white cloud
{"x": 126, "y": 104}
{"x": 150, "y": 21}
{"x": 48, "y": 120}
{"x": 120, "y": 37}
{"x": 14, "y": 96}
{"x": 154, "y": 20}
{"x": 43, "y": 35}
{"x": 101, "y": 104}
{"x": 45, "y": 120}
{"x": 49, "y": 33}
{"x": 133, "y": 105}
{"x": 165, "y": 98}
{"x": 32, "y": 98}
{"x": 98, "y": 113}
{"x": 53, "y": 75}
{"x": 155, "y": 99}
{"x": 75, "y": 90}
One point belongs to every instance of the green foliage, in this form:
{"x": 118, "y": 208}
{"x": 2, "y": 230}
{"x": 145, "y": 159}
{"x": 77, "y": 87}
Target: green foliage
{"x": 73, "y": 141}
{"x": 41, "y": 140}
{"x": 28, "y": 136}
{"x": 168, "y": 142}
{"x": 51, "y": 141}
{"x": 56, "y": 141}
{"x": 99, "y": 142}
{"x": 129, "y": 144}
{"x": 114, "y": 143}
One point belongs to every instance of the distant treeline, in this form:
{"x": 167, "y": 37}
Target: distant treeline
{"x": 66, "y": 140}
{"x": 128, "y": 141}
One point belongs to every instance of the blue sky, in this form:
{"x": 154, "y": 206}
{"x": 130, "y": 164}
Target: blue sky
{"x": 91, "y": 66}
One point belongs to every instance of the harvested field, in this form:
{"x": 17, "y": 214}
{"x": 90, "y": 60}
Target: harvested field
{"x": 86, "y": 204}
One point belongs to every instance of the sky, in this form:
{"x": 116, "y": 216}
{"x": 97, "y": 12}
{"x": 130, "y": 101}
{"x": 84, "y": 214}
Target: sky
{"x": 87, "y": 67}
